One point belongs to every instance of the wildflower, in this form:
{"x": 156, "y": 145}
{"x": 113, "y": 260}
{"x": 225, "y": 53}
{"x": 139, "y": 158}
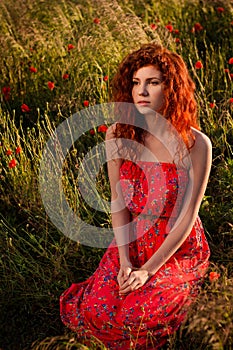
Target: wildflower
{"x": 96, "y": 20}
{"x": 102, "y": 128}
{"x": 25, "y": 108}
{"x": 105, "y": 78}
{"x": 176, "y": 31}
{"x": 177, "y": 40}
{"x": 33, "y": 69}
{"x": 70, "y": 47}
{"x": 231, "y": 75}
{"x": 65, "y": 76}
{"x": 197, "y": 27}
{"x": 212, "y": 104}
{"x": 231, "y": 100}
{"x": 230, "y": 60}
{"x": 92, "y": 132}
{"x": 6, "y": 92}
{"x": 18, "y": 150}
{"x": 213, "y": 276}
{"x": 153, "y": 26}
{"x": 169, "y": 28}
{"x": 220, "y": 9}
{"x": 51, "y": 85}
{"x": 8, "y": 152}
{"x": 12, "y": 163}
{"x": 226, "y": 70}
{"x": 86, "y": 103}
{"x": 198, "y": 65}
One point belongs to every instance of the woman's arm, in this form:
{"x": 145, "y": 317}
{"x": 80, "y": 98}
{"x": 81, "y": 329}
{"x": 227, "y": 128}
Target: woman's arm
{"x": 119, "y": 212}
{"x": 201, "y": 157}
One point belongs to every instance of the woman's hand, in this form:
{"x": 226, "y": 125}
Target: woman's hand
{"x": 110, "y": 134}
{"x": 124, "y": 273}
{"x": 136, "y": 279}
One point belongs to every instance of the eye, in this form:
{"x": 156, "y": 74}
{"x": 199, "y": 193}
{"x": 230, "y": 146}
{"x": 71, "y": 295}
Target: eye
{"x": 154, "y": 82}
{"x": 135, "y": 82}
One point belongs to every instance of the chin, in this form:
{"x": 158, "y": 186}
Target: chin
{"x": 144, "y": 109}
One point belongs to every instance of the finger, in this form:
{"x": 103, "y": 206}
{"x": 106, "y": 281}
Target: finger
{"x": 130, "y": 288}
{"x": 128, "y": 282}
{"x": 125, "y": 290}
{"x": 123, "y": 278}
{"x": 121, "y": 282}
{"x": 131, "y": 281}
{"x": 126, "y": 277}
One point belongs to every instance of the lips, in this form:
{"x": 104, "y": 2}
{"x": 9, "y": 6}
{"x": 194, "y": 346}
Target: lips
{"x": 143, "y": 103}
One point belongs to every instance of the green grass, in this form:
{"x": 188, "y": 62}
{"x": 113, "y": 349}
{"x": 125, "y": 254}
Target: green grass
{"x": 38, "y": 262}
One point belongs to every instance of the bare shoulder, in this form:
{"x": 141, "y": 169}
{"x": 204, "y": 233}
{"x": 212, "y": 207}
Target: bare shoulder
{"x": 201, "y": 152}
{"x": 202, "y": 142}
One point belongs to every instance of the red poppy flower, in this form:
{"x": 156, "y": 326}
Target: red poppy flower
{"x": 198, "y": 65}
{"x": 231, "y": 23}
{"x": 92, "y": 132}
{"x": 153, "y": 26}
{"x": 96, "y": 20}
{"x": 25, "y": 108}
{"x": 231, "y": 75}
{"x": 212, "y": 104}
{"x": 231, "y": 100}
{"x": 18, "y": 150}
{"x": 65, "y": 76}
{"x": 12, "y": 163}
{"x": 197, "y": 27}
{"x": 176, "y": 31}
{"x": 105, "y": 78}
{"x": 169, "y": 28}
{"x": 213, "y": 276}
{"x": 51, "y": 85}
{"x": 70, "y": 47}
{"x": 8, "y": 152}
{"x": 33, "y": 69}
{"x": 230, "y": 60}
{"x": 6, "y": 92}
{"x": 226, "y": 70}
{"x": 220, "y": 9}
{"x": 102, "y": 128}
{"x": 86, "y": 103}
{"x": 177, "y": 40}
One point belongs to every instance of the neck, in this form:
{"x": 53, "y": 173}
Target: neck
{"x": 157, "y": 125}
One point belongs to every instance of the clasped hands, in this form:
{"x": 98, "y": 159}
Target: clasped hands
{"x": 130, "y": 278}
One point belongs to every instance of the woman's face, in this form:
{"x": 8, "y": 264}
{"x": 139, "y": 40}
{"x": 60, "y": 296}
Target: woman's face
{"x": 147, "y": 91}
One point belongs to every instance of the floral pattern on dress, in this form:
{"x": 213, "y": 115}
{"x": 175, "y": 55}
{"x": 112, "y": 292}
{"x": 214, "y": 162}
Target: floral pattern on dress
{"x": 144, "y": 318}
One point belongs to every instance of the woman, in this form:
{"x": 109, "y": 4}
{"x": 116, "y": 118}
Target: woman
{"x": 144, "y": 284}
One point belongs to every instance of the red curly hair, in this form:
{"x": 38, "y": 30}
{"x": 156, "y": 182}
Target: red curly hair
{"x": 179, "y": 105}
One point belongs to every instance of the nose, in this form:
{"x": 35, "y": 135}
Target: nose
{"x": 143, "y": 90}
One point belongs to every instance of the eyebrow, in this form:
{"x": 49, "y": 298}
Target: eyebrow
{"x": 148, "y": 79}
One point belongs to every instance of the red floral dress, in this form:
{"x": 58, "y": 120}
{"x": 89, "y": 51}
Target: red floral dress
{"x": 142, "y": 319}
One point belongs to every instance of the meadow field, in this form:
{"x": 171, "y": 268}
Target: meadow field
{"x": 58, "y": 58}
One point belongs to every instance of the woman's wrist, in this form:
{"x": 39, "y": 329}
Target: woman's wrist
{"x": 125, "y": 262}
{"x": 150, "y": 273}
